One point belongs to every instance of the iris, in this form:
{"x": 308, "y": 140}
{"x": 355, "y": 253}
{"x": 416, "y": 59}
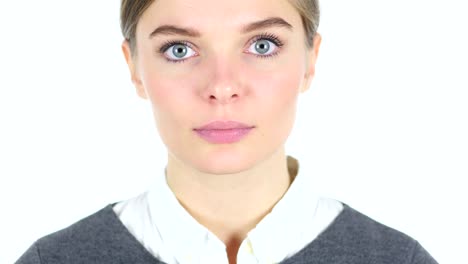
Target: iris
{"x": 262, "y": 46}
{"x": 179, "y": 50}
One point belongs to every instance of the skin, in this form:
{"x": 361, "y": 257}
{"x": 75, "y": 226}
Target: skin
{"x": 228, "y": 188}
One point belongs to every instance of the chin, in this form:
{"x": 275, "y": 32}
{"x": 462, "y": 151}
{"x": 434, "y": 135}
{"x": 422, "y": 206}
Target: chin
{"x": 225, "y": 162}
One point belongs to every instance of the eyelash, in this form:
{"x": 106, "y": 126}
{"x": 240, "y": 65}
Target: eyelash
{"x": 264, "y": 36}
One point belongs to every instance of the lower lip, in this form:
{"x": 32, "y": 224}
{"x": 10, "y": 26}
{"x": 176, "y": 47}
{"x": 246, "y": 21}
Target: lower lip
{"x": 223, "y": 136}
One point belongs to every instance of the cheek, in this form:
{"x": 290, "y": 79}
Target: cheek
{"x": 279, "y": 91}
{"x": 172, "y": 109}
{"x": 275, "y": 100}
{"x": 170, "y": 99}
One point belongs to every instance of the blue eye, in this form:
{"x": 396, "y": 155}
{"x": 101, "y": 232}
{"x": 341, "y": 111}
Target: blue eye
{"x": 177, "y": 51}
{"x": 262, "y": 47}
{"x": 265, "y": 45}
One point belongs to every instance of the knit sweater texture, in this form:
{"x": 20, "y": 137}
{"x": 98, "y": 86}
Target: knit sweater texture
{"x": 352, "y": 238}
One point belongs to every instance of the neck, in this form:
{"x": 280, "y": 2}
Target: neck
{"x": 230, "y": 205}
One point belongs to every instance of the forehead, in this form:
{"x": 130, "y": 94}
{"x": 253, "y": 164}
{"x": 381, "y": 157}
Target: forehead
{"x": 216, "y": 15}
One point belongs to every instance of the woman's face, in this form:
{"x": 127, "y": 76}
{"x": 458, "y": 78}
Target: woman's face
{"x": 222, "y": 68}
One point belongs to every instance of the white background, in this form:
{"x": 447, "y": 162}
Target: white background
{"x": 383, "y": 128}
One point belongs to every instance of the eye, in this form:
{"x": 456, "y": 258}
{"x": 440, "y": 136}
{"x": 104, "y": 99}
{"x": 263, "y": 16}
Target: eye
{"x": 262, "y": 47}
{"x": 177, "y": 51}
{"x": 265, "y": 45}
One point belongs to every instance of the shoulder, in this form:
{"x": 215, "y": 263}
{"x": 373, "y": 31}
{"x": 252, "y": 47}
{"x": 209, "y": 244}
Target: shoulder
{"x": 356, "y": 238}
{"x": 98, "y": 238}
{"x": 352, "y": 225}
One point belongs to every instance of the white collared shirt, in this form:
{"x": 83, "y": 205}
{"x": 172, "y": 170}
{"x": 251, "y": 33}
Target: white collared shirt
{"x": 171, "y": 234}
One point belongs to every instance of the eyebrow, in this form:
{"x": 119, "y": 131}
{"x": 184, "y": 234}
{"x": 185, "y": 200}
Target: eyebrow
{"x": 190, "y": 32}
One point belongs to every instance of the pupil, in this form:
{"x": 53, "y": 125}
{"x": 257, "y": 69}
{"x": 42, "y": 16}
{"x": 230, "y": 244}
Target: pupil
{"x": 263, "y": 46}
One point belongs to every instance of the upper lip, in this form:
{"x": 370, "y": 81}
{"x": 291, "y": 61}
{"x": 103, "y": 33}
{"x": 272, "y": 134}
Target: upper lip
{"x": 223, "y": 125}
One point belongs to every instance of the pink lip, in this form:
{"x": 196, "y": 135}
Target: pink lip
{"x": 221, "y": 132}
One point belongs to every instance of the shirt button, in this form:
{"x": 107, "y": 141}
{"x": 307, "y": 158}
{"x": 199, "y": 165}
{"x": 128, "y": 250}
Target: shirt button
{"x": 249, "y": 247}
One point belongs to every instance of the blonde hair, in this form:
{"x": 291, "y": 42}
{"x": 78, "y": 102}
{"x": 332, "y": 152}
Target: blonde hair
{"x": 132, "y": 10}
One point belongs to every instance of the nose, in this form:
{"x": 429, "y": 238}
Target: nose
{"x": 223, "y": 94}
{"x": 223, "y": 85}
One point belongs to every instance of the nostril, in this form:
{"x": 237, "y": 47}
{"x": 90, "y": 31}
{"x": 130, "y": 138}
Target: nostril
{"x": 227, "y": 97}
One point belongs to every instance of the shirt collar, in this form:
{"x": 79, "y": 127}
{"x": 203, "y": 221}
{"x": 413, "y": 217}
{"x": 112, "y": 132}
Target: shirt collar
{"x": 180, "y": 231}
{"x": 177, "y": 228}
{"x": 287, "y": 220}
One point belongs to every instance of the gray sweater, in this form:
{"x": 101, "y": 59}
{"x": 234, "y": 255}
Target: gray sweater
{"x": 352, "y": 238}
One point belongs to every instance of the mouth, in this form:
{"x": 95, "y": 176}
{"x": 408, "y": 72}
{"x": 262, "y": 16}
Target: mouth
{"x": 224, "y": 132}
